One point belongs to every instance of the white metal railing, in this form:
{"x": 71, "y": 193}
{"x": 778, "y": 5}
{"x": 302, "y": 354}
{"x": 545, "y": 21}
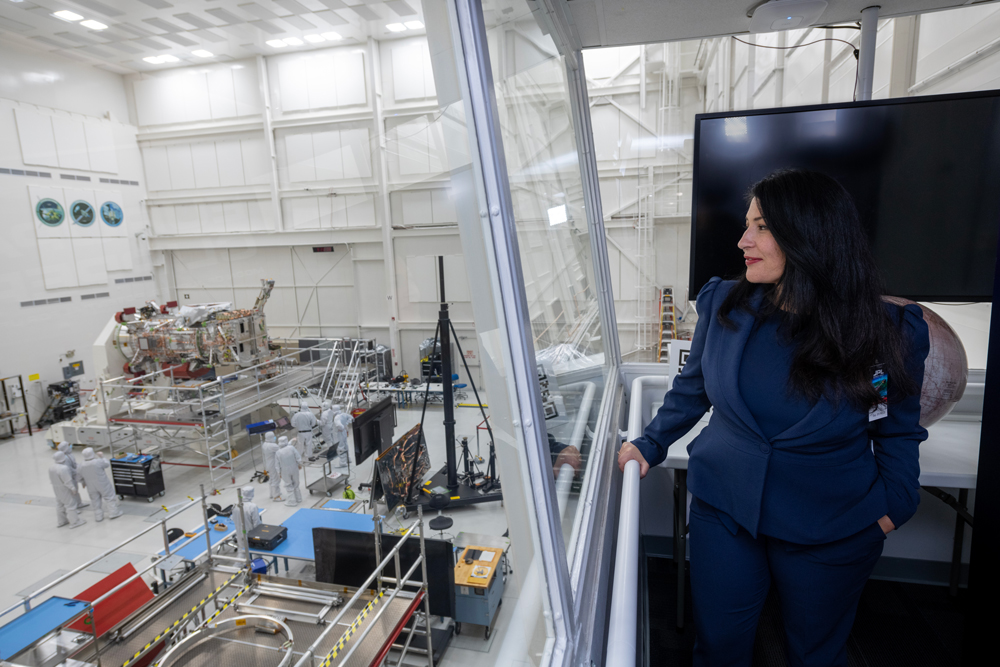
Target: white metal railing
{"x": 625, "y": 586}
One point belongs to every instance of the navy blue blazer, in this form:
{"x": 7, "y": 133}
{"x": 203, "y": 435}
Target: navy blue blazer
{"x": 828, "y": 476}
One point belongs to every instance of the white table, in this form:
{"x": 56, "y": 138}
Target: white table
{"x": 948, "y": 458}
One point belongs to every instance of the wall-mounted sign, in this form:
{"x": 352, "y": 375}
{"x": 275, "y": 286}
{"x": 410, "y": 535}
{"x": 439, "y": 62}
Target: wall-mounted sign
{"x": 82, "y": 213}
{"x": 50, "y": 212}
{"x": 112, "y": 214}
{"x": 323, "y": 248}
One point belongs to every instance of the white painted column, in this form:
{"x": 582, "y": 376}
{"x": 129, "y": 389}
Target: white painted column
{"x": 866, "y": 58}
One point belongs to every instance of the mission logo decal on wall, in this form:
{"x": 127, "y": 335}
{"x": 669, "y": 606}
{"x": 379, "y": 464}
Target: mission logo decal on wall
{"x": 82, "y": 212}
{"x": 50, "y": 212}
{"x": 112, "y": 214}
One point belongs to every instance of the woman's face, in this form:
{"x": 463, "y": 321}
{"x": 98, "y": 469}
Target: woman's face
{"x": 764, "y": 259}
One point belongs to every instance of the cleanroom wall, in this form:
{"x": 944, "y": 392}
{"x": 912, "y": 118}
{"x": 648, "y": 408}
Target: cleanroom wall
{"x": 64, "y": 136}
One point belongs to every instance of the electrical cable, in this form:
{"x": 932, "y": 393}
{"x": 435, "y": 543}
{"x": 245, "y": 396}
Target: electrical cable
{"x": 857, "y": 61}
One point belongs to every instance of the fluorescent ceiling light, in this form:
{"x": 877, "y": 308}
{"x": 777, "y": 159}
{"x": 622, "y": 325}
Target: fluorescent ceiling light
{"x": 292, "y": 41}
{"x": 413, "y": 25}
{"x": 314, "y": 39}
{"x": 202, "y": 53}
{"x": 276, "y": 43}
{"x": 332, "y": 36}
{"x": 167, "y": 58}
{"x": 153, "y": 60}
{"x": 93, "y": 25}
{"x": 557, "y": 215}
{"x": 67, "y": 15}
{"x": 395, "y": 27}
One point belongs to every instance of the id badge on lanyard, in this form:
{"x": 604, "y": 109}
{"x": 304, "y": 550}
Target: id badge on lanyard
{"x": 880, "y": 381}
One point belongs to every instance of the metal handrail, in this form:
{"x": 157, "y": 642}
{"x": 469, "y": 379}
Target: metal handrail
{"x": 310, "y": 653}
{"x": 27, "y": 599}
{"x": 625, "y": 586}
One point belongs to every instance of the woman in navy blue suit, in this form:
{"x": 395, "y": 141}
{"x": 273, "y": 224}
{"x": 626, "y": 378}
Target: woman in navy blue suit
{"x": 805, "y": 465}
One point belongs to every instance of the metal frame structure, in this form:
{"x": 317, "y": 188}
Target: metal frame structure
{"x": 241, "y": 596}
{"x": 152, "y": 413}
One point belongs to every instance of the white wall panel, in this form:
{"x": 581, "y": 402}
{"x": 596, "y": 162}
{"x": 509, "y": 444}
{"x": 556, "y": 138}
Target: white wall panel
{"x": 302, "y": 211}
{"x": 90, "y": 268}
{"x": 443, "y": 206}
{"x": 356, "y": 149}
{"x": 229, "y": 154}
{"x": 323, "y": 268}
{"x": 221, "y": 93}
{"x": 237, "y": 216}
{"x": 417, "y": 209}
{"x": 351, "y": 85}
{"x": 164, "y": 219}
{"x": 188, "y": 220}
{"x": 157, "y": 167}
{"x": 71, "y": 143}
{"x": 101, "y": 147}
{"x": 38, "y": 143}
{"x": 421, "y": 278}
{"x": 360, "y": 210}
{"x": 256, "y": 161}
{"x": 205, "y": 268}
{"x": 329, "y": 159}
{"x": 206, "y": 165}
{"x": 412, "y": 77}
{"x": 293, "y": 83}
{"x": 456, "y": 280}
{"x": 337, "y": 306}
{"x": 58, "y": 263}
{"x": 250, "y": 265}
{"x": 181, "y": 167}
{"x": 332, "y": 212}
{"x": 212, "y": 218}
{"x": 117, "y": 253}
{"x": 307, "y": 302}
{"x": 248, "y": 99}
{"x": 374, "y": 311}
{"x": 261, "y": 215}
{"x": 300, "y": 163}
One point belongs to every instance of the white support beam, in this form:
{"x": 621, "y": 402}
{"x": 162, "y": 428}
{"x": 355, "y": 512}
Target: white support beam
{"x": 866, "y": 57}
{"x": 265, "y": 91}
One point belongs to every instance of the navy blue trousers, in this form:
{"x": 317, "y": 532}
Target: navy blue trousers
{"x": 818, "y": 588}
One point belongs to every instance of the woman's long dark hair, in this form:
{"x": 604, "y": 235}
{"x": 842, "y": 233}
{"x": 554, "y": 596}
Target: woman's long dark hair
{"x": 831, "y": 290}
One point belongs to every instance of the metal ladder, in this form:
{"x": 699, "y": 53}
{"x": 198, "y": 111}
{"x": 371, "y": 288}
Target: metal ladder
{"x": 349, "y": 379}
{"x": 331, "y": 371}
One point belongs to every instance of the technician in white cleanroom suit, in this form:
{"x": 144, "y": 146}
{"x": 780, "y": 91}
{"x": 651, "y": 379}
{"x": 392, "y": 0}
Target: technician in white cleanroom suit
{"x": 67, "y": 449}
{"x": 270, "y": 449}
{"x": 326, "y": 424}
{"x": 304, "y": 421}
{"x": 341, "y": 422}
{"x": 67, "y": 506}
{"x": 99, "y": 486}
{"x": 289, "y": 464}
{"x": 251, "y": 519}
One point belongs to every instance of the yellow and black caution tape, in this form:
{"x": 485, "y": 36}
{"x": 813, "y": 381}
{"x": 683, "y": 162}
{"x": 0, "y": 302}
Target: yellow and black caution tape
{"x": 173, "y": 626}
{"x": 219, "y": 611}
{"x": 342, "y": 642}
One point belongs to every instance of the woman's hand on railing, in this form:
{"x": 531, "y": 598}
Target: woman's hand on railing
{"x": 630, "y": 452}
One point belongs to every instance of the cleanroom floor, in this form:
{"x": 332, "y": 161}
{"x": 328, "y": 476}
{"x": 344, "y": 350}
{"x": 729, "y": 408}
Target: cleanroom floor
{"x": 36, "y": 551}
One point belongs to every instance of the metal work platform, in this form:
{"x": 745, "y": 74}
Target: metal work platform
{"x": 158, "y": 412}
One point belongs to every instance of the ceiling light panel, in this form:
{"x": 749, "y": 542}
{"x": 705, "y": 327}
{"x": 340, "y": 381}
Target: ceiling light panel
{"x": 67, "y": 15}
{"x": 202, "y": 53}
{"x": 93, "y": 25}
{"x": 314, "y": 39}
{"x": 395, "y": 27}
{"x": 413, "y": 25}
{"x": 276, "y": 43}
{"x": 293, "y": 41}
{"x": 333, "y": 36}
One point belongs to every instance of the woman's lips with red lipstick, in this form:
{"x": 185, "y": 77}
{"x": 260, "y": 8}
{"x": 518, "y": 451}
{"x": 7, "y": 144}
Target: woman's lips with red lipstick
{"x": 751, "y": 260}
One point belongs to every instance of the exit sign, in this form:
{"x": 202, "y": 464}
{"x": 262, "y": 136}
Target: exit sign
{"x": 323, "y": 248}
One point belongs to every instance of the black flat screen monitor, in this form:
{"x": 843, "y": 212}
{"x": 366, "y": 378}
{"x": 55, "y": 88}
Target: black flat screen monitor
{"x": 373, "y": 429}
{"x": 923, "y": 172}
{"x": 347, "y": 558}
